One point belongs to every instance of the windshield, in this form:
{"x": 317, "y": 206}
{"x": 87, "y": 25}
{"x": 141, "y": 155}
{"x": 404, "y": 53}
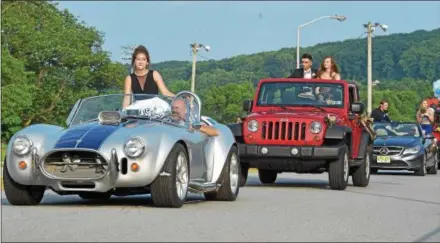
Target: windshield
{"x": 396, "y": 129}
{"x": 298, "y": 94}
{"x": 139, "y": 106}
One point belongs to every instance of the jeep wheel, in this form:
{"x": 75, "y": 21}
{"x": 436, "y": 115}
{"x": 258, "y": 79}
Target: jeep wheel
{"x": 244, "y": 171}
{"x": 421, "y": 171}
{"x": 171, "y": 190}
{"x": 267, "y": 176}
{"x": 21, "y": 195}
{"x": 433, "y": 169}
{"x": 361, "y": 174}
{"x": 229, "y": 179}
{"x": 338, "y": 172}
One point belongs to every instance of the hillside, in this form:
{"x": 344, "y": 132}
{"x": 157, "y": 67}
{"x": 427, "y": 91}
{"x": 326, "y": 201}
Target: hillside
{"x": 396, "y": 56}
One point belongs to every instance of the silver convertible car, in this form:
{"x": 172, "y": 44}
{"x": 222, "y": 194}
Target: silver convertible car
{"x": 155, "y": 145}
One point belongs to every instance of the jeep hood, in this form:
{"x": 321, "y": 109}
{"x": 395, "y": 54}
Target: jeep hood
{"x": 315, "y": 115}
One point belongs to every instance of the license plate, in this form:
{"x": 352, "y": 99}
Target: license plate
{"x": 383, "y": 159}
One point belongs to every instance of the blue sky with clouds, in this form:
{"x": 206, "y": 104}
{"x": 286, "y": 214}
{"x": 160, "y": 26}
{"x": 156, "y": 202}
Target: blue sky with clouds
{"x": 232, "y": 28}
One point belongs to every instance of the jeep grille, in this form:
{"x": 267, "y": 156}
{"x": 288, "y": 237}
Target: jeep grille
{"x": 293, "y": 131}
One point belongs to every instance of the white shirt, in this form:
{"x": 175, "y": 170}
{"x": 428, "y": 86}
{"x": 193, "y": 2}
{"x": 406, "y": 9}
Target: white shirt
{"x": 308, "y": 74}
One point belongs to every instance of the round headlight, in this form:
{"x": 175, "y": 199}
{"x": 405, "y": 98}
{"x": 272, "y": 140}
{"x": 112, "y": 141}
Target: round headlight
{"x": 253, "y": 126}
{"x": 134, "y": 147}
{"x": 22, "y": 145}
{"x": 315, "y": 127}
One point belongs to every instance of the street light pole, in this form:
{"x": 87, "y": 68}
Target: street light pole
{"x": 370, "y": 29}
{"x": 338, "y": 17}
{"x": 194, "y": 49}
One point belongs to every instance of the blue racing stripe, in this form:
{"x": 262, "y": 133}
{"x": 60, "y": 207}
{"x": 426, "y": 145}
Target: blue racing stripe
{"x": 72, "y": 135}
{"x": 96, "y": 136}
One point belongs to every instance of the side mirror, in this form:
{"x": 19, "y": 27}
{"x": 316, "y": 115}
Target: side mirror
{"x": 247, "y": 105}
{"x": 357, "y": 108}
{"x": 429, "y": 136}
{"x": 196, "y": 125}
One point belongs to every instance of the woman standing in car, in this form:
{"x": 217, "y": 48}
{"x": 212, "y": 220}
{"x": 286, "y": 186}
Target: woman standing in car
{"x": 143, "y": 80}
{"x": 425, "y": 116}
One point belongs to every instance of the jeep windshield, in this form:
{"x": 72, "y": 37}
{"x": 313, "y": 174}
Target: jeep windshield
{"x": 284, "y": 94}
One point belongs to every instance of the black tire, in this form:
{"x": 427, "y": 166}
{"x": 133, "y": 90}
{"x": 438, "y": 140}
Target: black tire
{"x": 244, "y": 171}
{"x": 163, "y": 188}
{"x": 361, "y": 174}
{"x": 422, "y": 170}
{"x": 337, "y": 176}
{"x": 267, "y": 176}
{"x": 433, "y": 169}
{"x": 226, "y": 193}
{"x": 95, "y": 195}
{"x": 21, "y": 195}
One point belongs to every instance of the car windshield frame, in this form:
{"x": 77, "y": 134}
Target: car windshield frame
{"x": 307, "y": 98}
{"x": 394, "y": 126}
{"x": 141, "y": 106}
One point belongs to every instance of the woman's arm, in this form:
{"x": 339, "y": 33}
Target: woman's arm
{"x": 337, "y": 76}
{"x": 160, "y": 83}
{"x": 418, "y": 117}
{"x": 127, "y": 92}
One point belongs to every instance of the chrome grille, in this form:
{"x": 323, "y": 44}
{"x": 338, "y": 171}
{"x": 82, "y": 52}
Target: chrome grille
{"x": 75, "y": 164}
{"x": 279, "y": 130}
{"x": 387, "y": 150}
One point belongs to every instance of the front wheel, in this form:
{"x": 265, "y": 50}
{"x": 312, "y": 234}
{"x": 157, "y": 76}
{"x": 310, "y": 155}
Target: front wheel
{"x": 21, "y": 195}
{"x": 421, "y": 171}
{"x": 267, "y": 176}
{"x": 229, "y": 179}
{"x": 361, "y": 174}
{"x": 338, "y": 172}
{"x": 171, "y": 189}
{"x": 433, "y": 169}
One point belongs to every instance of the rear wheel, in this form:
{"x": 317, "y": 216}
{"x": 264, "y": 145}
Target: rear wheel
{"x": 338, "y": 172}
{"x": 267, "y": 176}
{"x": 229, "y": 179}
{"x": 244, "y": 171}
{"x": 171, "y": 189}
{"x": 18, "y": 194}
{"x": 361, "y": 175}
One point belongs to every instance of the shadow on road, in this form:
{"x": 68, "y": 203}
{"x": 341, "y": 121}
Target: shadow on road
{"x": 127, "y": 201}
{"x": 292, "y": 183}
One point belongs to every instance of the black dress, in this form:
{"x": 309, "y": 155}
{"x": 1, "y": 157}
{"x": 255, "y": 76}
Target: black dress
{"x": 150, "y": 86}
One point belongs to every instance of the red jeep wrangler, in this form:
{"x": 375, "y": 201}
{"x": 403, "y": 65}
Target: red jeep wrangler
{"x": 305, "y": 126}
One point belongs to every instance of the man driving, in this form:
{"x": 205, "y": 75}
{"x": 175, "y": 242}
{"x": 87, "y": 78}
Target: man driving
{"x": 179, "y": 115}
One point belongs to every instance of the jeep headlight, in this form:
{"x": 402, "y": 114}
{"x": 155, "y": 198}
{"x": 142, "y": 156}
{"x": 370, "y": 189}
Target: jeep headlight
{"x": 134, "y": 147}
{"x": 253, "y": 126}
{"x": 413, "y": 150}
{"x": 22, "y": 145}
{"x": 315, "y": 127}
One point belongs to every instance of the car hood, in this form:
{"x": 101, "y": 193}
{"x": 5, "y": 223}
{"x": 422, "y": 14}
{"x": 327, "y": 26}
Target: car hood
{"x": 397, "y": 141}
{"x": 93, "y": 135}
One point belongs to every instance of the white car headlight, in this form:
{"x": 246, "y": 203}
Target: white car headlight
{"x": 134, "y": 147}
{"x": 315, "y": 127}
{"x": 253, "y": 126}
{"x": 22, "y": 145}
{"x": 413, "y": 150}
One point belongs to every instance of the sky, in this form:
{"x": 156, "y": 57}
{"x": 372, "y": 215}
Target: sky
{"x": 234, "y": 28}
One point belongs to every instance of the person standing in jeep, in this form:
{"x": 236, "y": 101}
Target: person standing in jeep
{"x": 380, "y": 114}
{"x": 306, "y": 71}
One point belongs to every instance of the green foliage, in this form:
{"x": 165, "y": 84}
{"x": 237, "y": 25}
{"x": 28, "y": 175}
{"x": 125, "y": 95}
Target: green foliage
{"x": 49, "y": 60}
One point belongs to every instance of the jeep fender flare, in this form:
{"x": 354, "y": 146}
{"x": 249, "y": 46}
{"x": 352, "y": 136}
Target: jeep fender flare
{"x": 363, "y": 146}
{"x": 236, "y": 129}
{"x": 337, "y": 132}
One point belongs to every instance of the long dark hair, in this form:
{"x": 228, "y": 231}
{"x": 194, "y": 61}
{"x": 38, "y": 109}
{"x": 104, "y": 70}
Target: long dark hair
{"x": 333, "y": 67}
{"x": 140, "y": 49}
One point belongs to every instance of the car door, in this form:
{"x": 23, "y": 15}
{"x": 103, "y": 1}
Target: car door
{"x": 196, "y": 141}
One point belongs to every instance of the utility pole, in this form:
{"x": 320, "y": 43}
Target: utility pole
{"x": 370, "y": 29}
{"x": 194, "y": 50}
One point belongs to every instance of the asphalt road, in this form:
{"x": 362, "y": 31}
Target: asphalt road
{"x": 398, "y": 207}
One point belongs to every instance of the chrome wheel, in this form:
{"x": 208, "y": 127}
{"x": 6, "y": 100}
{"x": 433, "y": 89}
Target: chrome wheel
{"x": 346, "y": 167}
{"x": 182, "y": 176}
{"x": 233, "y": 173}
